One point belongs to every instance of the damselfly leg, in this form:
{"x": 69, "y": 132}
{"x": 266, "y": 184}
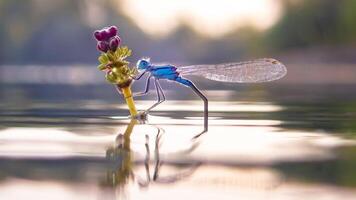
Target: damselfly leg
{"x": 159, "y": 92}
{"x": 147, "y": 159}
{"x": 157, "y": 157}
{"x": 147, "y": 88}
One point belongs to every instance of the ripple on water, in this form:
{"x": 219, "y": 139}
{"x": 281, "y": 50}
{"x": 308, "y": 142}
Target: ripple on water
{"x": 49, "y": 147}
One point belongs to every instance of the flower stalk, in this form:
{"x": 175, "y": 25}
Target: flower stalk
{"x": 126, "y": 91}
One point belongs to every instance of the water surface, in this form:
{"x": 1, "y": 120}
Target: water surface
{"x": 274, "y": 142}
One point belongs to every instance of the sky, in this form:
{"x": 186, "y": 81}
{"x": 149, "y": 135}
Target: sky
{"x": 208, "y": 17}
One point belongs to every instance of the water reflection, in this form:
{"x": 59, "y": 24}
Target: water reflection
{"x": 121, "y": 164}
{"x": 254, "y": 151}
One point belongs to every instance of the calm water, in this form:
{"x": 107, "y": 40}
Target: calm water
{"x": 271, "y": 142}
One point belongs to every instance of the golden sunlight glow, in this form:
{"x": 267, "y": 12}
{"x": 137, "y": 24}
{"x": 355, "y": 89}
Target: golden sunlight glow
{"x": 207, "y": 17}
{"x": 221, "y": 106}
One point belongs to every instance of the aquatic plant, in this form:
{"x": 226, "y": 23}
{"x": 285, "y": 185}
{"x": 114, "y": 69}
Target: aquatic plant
{"x": 113, "y": 62}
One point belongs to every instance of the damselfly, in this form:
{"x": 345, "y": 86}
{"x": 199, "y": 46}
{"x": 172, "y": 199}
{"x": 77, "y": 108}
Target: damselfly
{"x": 256, "y": 71}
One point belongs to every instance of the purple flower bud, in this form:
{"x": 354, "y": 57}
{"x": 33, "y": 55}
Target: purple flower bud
{"x": 103, "y": 46}
{"x": 105, "y": 35}
{"x": 114, "y": 43}
{"x": 112, "y": 30}
{"x": 98, "y": 36}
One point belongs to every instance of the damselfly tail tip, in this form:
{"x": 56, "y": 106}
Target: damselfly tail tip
{"x": 282, "y": 68}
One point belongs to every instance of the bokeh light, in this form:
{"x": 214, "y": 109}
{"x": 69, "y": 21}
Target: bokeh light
{"x": 209, "y": 18}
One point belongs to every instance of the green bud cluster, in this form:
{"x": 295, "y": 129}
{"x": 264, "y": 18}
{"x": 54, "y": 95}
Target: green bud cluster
{"x": 116, "y": 67}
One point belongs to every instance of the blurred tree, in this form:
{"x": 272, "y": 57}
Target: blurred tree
{"x": 347, "y": 24}
{"x": 318, "y": 22}
{"x": 38, "y": 31}
{"x": 60, "y": 31}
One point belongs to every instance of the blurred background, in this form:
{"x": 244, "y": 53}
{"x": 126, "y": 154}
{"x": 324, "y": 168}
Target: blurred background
{"x": 46, "y": 42}
{"x": 58, "y": 115}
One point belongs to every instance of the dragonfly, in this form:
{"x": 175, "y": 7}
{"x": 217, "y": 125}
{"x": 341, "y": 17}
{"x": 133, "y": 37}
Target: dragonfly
{"x": 255, "y": 71}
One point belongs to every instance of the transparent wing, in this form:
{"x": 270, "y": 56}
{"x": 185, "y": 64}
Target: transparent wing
{"x": 261, "y": 70}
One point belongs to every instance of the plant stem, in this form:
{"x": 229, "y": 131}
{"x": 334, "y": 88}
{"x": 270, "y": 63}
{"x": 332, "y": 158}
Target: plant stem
{"x": 129, "y": 100}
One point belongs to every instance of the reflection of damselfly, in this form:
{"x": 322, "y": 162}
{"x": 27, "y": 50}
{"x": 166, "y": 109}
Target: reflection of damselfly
{"x": 121, "y": 162}
{"x": 261, "y": 70}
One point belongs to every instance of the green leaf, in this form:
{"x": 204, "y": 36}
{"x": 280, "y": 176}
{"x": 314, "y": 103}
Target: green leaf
{"x": 101, "y": 67}
{"x": 111, "y": 57}
{"x": 121, "y": 63}
{"x": 123, "y": 52}
{"x": 111, "y": 78}
{"x": 129, "y": 53}
{"x": 103, "y": 58}
{"x": 134, "y": 71}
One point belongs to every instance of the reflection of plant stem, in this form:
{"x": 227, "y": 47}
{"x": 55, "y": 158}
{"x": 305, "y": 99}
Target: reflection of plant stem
{"x": 127, "y": 134}
{"x": 120, "y": 157}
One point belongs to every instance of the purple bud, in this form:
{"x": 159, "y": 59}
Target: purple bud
{"x": 114, "y": 43}
{"x": 105, "y": 35}
{"x": 103, "y": 46}
{"x": 98, "y": 36}
{"x": 112, "y": 30}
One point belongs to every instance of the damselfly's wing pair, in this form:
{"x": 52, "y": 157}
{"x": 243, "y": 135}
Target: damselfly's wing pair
{"x": 256, "y": 71}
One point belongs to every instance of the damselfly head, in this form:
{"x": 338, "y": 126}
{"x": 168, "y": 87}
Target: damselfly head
{"x": 143, "y": 63}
